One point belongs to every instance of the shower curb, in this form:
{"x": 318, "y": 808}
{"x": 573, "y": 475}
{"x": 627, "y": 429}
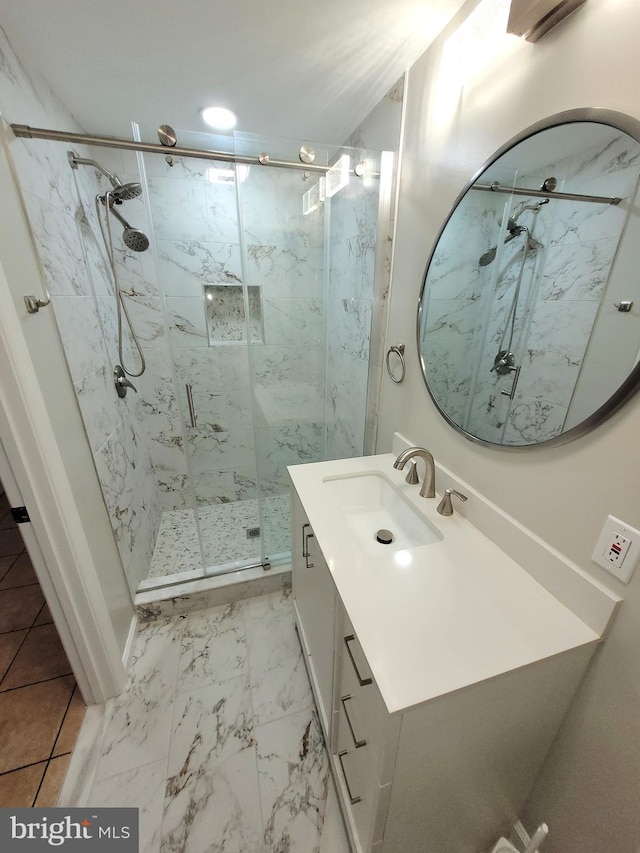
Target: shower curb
{"x": 210, "y": 592}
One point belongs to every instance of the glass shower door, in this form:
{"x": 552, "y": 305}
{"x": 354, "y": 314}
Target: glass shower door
{"x": 266, "y": 278}
{"x": 309, "y": 245}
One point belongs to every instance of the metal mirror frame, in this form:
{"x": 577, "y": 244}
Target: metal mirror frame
{"x": 612, "y": 118}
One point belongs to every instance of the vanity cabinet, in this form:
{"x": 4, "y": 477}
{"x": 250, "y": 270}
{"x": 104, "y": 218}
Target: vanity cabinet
{"x": 314, "y": 596}
{"x": 449, "y": 774}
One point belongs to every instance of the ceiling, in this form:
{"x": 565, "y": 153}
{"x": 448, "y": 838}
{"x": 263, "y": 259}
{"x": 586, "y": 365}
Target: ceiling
{"x": 285, "y": 69}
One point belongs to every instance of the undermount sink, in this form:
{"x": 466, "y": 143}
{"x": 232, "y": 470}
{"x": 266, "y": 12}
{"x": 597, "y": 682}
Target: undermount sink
{"x": 371, "y": 503}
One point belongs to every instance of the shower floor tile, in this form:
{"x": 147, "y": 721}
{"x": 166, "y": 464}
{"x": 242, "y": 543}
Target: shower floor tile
{"x": 244, "y": 768}
{"x": 224, "y": 538}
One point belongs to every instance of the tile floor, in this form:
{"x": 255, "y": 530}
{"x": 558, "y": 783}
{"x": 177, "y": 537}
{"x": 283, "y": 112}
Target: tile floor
{"x": 216, "y": 739}
{"x": 41, "y": 709}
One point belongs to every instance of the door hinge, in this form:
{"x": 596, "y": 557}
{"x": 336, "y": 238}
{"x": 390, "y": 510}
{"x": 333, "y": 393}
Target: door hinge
{"x": 20, "y": 514}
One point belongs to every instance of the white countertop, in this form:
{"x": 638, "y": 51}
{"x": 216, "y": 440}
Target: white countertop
{"x": 460, "y": 612}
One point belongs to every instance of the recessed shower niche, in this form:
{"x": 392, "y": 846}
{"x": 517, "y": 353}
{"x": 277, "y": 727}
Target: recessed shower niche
{"x": 226, "y": 315}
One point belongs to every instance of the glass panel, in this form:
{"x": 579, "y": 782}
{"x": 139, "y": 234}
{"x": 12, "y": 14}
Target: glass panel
{"x": 309, "y": 241}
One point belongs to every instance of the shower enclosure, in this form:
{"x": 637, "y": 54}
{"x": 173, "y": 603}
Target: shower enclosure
{"x": 253, "y": 307}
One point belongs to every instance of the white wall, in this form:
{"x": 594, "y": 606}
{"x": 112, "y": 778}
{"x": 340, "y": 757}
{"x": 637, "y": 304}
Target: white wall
{"x": 588, "y": 791}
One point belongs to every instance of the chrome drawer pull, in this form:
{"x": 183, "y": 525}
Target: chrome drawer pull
{"x": 352, "y": 799}
{"x": 357, "y": 743}
{"x": 305, "y": 545}
{"x": 362, "y": 680}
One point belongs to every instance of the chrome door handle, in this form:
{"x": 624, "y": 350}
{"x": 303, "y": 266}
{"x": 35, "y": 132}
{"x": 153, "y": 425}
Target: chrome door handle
{"x": 362, "y": 680}
{"x": 357, "y": 742}
{"x": 352, "y": 799}
{"x": 192, "y": 411}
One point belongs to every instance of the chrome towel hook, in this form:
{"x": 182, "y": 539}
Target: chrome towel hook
{"x": 398, "y": 349}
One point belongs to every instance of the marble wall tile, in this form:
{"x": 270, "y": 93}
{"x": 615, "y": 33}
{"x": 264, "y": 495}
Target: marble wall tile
{"x": 218, "y": 368}
{"x": 222, "y": 212}
{"x": 179, "y": 209}
{"x": 563, "y": 328}
{"x": 283, "y": 364}
{"x": 97, "y": 398}
{"x": 290, "y": 444}
{"x": 230, "y": 486}
{"x": 548, "y": 375}
{"x": 297, "y": 321}
{"x": 577, "y": 271}
{"x": 219, "y": 450}
{"x": 60, "y": 206}
{"x": 187, "y": 321}
{"x": 185, "y": 266}
{"x": 81, "y": 334}
{"x": 281, "y": 272}
{"x": 59, "y": 249}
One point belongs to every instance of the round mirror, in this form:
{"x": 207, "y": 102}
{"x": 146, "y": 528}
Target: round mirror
{"x": 529, "y": 316}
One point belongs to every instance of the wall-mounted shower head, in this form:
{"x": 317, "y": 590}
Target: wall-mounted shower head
{"x": 133, "y": 237}
{"x": 125, "y": 192}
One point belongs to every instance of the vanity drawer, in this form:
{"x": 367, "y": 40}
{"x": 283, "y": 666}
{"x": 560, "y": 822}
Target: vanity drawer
{"x": 361, "y": 713}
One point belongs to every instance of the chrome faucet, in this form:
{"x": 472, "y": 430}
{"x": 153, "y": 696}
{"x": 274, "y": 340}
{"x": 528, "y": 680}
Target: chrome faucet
{"x": 428, "y": 489}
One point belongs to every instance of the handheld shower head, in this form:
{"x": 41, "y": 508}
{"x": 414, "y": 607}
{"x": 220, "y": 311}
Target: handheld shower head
{"x": 133, "y": 238}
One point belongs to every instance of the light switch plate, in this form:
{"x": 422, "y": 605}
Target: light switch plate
{"x": 619, "y": 561}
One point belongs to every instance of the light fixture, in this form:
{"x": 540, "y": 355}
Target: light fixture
{"x": 219, "y": 118}
{"x": 534, "y": 18}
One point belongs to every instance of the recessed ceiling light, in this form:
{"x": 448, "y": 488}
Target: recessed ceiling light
{"x": 219, "y": 117}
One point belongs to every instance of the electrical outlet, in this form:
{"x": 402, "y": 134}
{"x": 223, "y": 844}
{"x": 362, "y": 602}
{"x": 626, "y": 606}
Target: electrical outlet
{"x": 618, "y": 549}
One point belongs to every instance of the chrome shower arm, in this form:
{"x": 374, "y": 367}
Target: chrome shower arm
{"x": 76, "y": 161}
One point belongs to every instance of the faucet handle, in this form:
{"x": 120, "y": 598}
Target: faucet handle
{"x": 412, "y": 474}
{"x": 445, "y": 507}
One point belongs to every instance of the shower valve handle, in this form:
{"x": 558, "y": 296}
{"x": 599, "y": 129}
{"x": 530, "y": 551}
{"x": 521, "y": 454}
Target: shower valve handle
{"x": 121, "y": 381}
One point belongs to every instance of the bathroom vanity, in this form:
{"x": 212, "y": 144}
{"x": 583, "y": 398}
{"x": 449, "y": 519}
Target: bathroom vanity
{"x": 440, "y": 668}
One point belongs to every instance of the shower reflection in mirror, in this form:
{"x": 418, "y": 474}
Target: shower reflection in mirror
{"x": 517, "y": 302}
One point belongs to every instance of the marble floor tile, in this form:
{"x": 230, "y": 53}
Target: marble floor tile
{"x": 145, "y": 787}
{"x": 139, "y": 728}
{"x": 221, "y": 698}
{"x": 293, "y": 775}
{"x": 218, "y": 812}
{"x": 271, "y": 635}
{"x": 282, "y": 690}
{"x": 213, "y": 646}
{"x": 212, "y": 788}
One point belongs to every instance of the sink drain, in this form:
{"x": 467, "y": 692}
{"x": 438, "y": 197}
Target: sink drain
{"x": 384, "y": 537}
